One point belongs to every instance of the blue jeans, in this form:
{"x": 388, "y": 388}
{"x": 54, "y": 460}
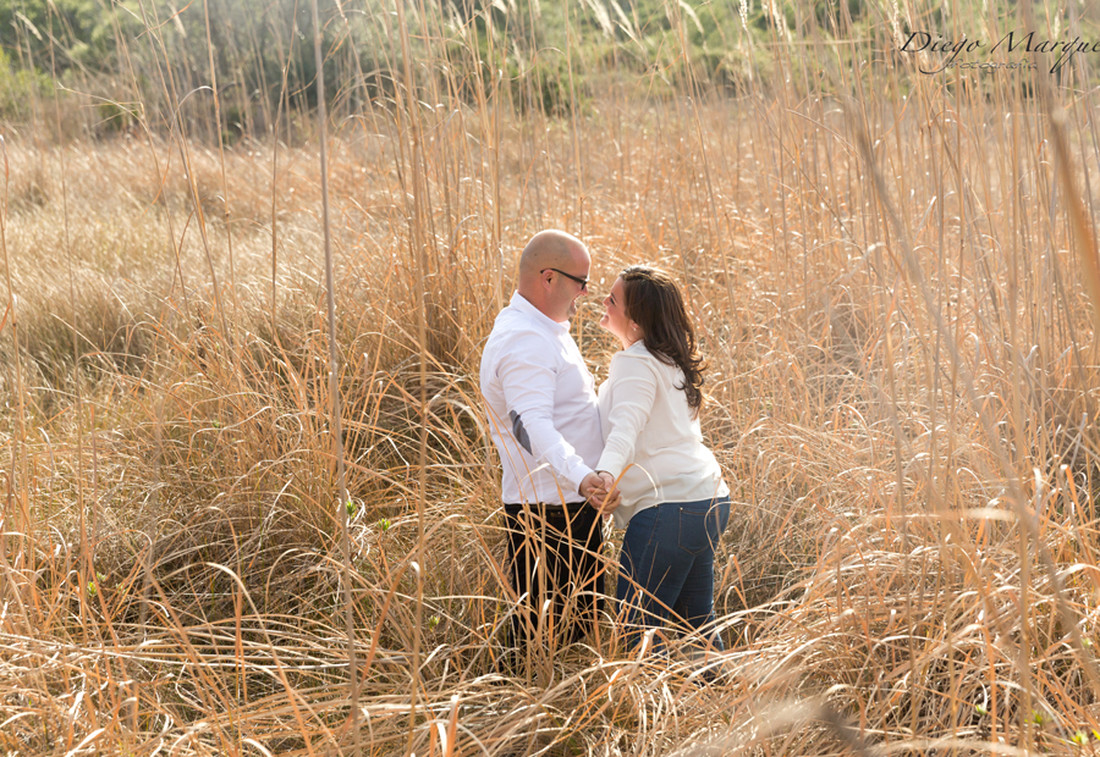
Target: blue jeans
{"x": 667, "y": 566}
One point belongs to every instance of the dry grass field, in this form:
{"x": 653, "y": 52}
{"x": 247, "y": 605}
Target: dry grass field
{"x": 894, "y": 277}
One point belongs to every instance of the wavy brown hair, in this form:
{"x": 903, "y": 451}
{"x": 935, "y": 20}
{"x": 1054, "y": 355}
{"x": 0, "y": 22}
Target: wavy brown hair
{"x": 652, "y": 300}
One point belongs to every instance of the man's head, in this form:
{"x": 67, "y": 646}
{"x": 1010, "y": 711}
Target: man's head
{"x": 553, "y": 273}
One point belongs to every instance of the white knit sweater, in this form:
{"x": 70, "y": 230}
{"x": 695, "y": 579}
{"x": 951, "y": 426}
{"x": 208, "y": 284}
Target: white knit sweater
{"x": 649, "y": 433}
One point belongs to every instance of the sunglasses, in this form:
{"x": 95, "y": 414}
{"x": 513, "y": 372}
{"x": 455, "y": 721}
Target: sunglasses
{"x": 582, "y": 282}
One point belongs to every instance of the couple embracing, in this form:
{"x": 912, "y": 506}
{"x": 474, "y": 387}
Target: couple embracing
{"x": 633, "y": 450}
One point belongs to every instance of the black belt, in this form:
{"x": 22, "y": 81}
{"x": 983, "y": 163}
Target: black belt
{"x": 512, "y": 507}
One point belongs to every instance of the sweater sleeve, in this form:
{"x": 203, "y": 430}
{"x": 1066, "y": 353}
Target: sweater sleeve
{"x": 633, "y": 386}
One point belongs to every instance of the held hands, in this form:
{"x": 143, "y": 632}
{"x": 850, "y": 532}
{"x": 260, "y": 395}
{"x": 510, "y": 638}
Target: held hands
{"x": 612, "y": 496}
{"x": 599, "y": 489}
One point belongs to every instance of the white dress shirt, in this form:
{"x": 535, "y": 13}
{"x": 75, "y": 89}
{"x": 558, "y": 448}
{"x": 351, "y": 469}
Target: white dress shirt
{"x": 542, "y": 407}
{"x": 651, "y": 434}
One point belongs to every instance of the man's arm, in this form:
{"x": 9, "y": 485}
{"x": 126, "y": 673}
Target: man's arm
{"x": 528, "y": 382}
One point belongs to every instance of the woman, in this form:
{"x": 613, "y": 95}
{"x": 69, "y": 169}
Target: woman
{"x": 674, "y": 502}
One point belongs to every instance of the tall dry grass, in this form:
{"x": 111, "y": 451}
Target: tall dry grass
{"x": 888, "y": 279}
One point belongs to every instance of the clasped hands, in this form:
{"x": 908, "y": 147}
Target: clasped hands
{"x": 599, "y": 489}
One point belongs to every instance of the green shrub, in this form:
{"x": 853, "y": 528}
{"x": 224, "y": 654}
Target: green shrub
{"x": 19, "y": 89}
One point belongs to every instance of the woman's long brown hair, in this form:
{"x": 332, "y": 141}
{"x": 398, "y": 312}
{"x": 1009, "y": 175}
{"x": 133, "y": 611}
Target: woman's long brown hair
{"x": 652, "y": 300}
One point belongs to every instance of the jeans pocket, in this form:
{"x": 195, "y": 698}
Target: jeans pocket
{"x": 693, "y": 530}
{"x": 702, "y": 524}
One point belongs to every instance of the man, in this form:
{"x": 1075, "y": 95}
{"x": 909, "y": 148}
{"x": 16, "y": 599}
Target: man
{"x": 545, "y": 423}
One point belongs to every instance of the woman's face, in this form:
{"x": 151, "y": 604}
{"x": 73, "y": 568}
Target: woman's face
{"x": 614, "y": 316}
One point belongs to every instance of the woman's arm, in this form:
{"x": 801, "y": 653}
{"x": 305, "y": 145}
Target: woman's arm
{"x": 632, "y": 382}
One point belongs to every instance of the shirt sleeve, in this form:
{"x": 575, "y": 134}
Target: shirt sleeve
{"x": 633, "y": 386}
{"x": 528, "y": 379}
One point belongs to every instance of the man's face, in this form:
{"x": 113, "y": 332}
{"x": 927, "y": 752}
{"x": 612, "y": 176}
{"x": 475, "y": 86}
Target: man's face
{"x": 566, "y": 287}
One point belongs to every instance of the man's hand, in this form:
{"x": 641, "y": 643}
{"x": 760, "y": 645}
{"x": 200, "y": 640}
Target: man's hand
{"x": 591, "y": 485}
{"x": 599, "y": 489}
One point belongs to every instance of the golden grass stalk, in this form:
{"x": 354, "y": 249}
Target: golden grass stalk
{"x": 336, "y": 409}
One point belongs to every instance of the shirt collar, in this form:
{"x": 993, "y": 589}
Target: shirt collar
{"x": 522, "y": 304}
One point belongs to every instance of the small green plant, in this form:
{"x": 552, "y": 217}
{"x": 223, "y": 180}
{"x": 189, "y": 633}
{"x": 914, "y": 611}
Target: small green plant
{"x": 384, "y": 524}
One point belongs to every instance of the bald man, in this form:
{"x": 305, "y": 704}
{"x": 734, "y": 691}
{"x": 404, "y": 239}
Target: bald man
{"x": 545, "y": 422}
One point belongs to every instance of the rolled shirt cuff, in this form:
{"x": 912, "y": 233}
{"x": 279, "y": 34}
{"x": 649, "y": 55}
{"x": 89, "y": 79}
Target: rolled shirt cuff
{"x": 576, "y": 474}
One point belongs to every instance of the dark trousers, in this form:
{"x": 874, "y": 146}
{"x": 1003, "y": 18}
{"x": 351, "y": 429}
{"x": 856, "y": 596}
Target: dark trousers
{"x": 553, "y": 556}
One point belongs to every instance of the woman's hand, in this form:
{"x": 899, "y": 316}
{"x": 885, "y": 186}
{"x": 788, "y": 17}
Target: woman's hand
{"x": 601, "y": 492}
{"x": 599, "y": 489}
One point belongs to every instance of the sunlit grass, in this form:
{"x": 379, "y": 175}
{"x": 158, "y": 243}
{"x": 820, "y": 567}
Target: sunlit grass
{"x": 901, "y": 392}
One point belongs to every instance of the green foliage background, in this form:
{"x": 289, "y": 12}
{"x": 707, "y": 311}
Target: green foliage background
{"x": 130, "y": 60}
{"x": 113, "y": 65}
